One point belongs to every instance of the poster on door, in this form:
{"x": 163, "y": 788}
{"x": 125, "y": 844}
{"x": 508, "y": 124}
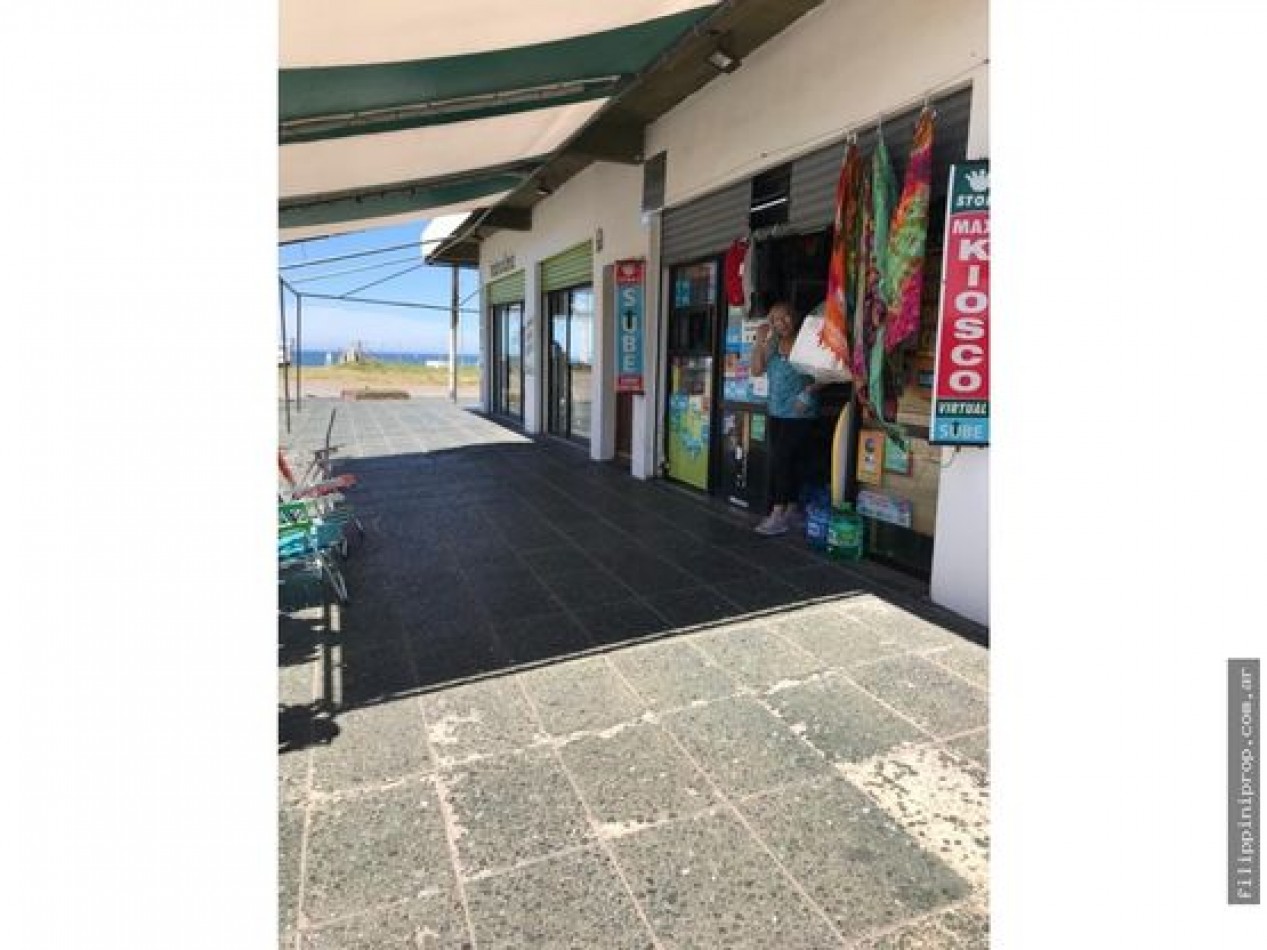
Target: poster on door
{"x": 961, "y": 373}
{"x": 630, "y": 300}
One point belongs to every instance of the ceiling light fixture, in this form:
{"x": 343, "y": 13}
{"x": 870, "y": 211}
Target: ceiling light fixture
{"x": 722, "y": 59}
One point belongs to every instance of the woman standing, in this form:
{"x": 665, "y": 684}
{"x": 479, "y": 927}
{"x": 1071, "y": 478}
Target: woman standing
{"x": 792, "y": 409}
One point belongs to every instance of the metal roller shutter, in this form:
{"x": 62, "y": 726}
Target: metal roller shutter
{"x": 707, "y": 225}
{"x": 814, "y": 175}
{"x": 573, "y": 267}
{"x": 508, "y": 289}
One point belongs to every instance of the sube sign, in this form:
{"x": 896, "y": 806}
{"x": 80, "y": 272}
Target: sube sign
{"x": 961, "y": 380}
{"x": 629, "y": 317}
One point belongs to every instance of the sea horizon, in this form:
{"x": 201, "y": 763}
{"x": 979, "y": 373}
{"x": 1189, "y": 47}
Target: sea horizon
{"x": 317, "y": 357}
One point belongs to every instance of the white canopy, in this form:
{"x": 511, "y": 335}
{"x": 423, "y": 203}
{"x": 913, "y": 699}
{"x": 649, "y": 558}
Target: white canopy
{"x": 397, "y": 110}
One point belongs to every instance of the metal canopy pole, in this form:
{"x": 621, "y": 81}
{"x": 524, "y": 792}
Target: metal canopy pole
{"x": 281, "y": 292}
{"x": 299, "y": 352}
{"x": 453, "y": 338}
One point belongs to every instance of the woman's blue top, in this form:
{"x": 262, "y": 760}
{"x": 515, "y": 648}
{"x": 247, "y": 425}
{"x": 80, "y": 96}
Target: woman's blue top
{"x": 787, "y": 387}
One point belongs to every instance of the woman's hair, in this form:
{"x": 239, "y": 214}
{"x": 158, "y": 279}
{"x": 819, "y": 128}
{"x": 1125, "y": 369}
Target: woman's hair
{"x": 791, "y": 312}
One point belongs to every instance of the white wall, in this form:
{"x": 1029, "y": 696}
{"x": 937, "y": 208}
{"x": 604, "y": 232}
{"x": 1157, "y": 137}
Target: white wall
{"x": 831, "y": 71}
{"x": 961, "y": 552}
{"x": 605, "y": 196}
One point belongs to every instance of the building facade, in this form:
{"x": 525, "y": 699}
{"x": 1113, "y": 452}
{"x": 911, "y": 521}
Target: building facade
{"x": 752, "y": 156}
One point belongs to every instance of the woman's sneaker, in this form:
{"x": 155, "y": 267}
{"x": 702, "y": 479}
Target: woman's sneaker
{"x": 773, "y": 524}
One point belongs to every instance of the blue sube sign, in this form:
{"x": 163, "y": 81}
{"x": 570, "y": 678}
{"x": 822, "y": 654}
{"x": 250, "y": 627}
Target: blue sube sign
{"x": 629, "y": 320}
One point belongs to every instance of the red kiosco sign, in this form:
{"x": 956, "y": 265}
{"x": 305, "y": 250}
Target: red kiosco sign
{"x": 961, "y": 375}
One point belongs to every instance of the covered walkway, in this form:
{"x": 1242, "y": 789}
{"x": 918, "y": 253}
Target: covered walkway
{"x": 569, "y": 709}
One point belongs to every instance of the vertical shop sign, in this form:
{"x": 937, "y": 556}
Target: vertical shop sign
{"x": 961, "y": 380}
{"x": 629, "y": 320}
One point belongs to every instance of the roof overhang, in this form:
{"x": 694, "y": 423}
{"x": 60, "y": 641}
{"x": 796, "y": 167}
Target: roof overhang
{"x": 394, "y": 110}
{"x": 616, "y": 132}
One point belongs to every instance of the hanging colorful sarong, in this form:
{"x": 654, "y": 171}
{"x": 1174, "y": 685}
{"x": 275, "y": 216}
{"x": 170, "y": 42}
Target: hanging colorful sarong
{"x": 880, "y": 392}
{"x": 875, "y": 236}
{"x": 902, "y": 272}
{"x": 862, "y": 266}
{"x": 844, "y": 252}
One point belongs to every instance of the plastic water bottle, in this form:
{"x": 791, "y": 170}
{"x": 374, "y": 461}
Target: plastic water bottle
{"x": 844, "y": 534}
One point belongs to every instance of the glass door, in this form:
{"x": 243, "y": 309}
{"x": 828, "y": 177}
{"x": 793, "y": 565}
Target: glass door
{"x": 507, "y": 362}
{"x": 557, "y": 371}
{"x": 514, "y": 360}
{"x": 570, "y": 368}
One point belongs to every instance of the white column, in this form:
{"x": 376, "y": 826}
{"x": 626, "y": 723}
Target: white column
{"x": 961, "y": 549}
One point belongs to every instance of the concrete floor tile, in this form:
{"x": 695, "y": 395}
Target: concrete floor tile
{"x": 969, "y": 925}
{"x": 364, "y": 673}
{"x": 290, "y": 830}
{"x": 671, "y": 674}
{"x": 923, "y": 935}
{"x": 636, "y": 776}
{"x": 969, "y": 660}
{"x": 574, "y": 900}
{"x": 762, "y": 592}
{"x": 292, "y": 777}
{"x": 744, "y": 748}
{"x": 755, "y": 654}
{"x": 822, "y": 580}
{"x": 374, "y": 745}
{"x": 836, "y": 638}
{"x": 706, "y": 883}
{"x": 852, "y": 859}
{"x": 891, "y": 620}
{"x": 296, "y": 684}
{"x": 485, "y": 718}
{"x": 840, "y": 720}
{"x": 433, "y": 922}
{"x": 694, "y": 605}
{"x": 976, "y": 747}
{"x": 481, "y": 652}
{"x": 621, "y": 620}
{"x": 580, "y": 695}
{"x": 587, "y": 587}
{"x": 939, "y": 701}
{"x": 546, "y": 637}
{"x": 512, "y": 809}
{"x": 375, "y": 849}
{"x": 940, "y": 801}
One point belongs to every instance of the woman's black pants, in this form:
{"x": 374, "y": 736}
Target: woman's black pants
{"x": 789, "y": 442}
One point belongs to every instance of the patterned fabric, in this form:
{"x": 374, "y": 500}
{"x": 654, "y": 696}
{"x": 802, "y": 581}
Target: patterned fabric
{"x": 902, "y": 274}
{"x": 787, "y": 387}
{"x": 875, "y": 241}
{"x": 844, "y": 252}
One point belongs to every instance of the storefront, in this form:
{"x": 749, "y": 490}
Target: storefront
{"x": 755, "y": 158}
{"x": 715, "y": 434}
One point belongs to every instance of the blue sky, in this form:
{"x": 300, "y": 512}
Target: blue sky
{"x": 331, "y": 325}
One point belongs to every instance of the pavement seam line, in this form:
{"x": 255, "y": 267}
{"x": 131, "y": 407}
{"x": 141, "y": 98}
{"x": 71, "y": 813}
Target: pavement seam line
{"x": 734, "y": 810}
{"x": 876, "y": 933}
{"x": 953, "y": 672}
{"x": 589, "y": 816}
{"x": 446, "y": 817}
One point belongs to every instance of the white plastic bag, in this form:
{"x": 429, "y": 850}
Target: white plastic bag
{"x": 814, "y": 359}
